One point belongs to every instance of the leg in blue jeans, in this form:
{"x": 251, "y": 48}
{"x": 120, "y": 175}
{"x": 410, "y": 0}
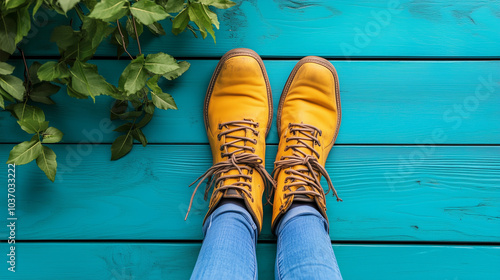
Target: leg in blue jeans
{"x": 304, "y": 246}
{"x": 228, "y": 250}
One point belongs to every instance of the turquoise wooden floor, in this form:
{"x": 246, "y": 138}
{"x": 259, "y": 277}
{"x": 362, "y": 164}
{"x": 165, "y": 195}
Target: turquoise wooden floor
{"x": 417, "y": 161}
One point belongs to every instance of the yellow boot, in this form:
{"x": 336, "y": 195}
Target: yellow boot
{"x": 308, "y": 123}
{"x": 238, "y": 113}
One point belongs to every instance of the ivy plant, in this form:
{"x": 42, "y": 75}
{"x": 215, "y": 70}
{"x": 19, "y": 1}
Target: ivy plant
{"x": 117, "y": 22}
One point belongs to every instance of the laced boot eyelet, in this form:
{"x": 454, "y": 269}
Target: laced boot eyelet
{"x": 220, "y": 126}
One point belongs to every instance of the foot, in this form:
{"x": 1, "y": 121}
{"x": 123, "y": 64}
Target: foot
{"x": 308, "y": 121}
{"x": 238, "y": 112}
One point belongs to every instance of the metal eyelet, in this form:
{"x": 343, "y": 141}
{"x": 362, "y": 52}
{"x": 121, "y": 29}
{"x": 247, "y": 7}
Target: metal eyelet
{"x": 220, "y": 126}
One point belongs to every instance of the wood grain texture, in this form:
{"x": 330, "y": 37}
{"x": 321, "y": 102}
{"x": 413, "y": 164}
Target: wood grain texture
{"x": 389, "y": 192}
{"x": 389, "y": 28}
{"x": 382, "y": 102}
{"x": 176, "y": 261}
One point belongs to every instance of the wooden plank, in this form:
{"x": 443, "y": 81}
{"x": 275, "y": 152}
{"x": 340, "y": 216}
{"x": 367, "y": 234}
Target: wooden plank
{"x": 382, "y": 102}
{"x": 394, "y": 28}
{"x": 177, "y": 260}
{"x": 390, "y": 193}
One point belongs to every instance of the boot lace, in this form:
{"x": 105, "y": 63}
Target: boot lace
{"x": 311, "y": 174}
{"x": 242, "y": 158}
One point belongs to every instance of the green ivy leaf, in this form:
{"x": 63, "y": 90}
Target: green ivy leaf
{"x": 73, "y": 93}
{"x": 180, "y": 22}
{"x": 67, "y": 5}
{"x": 2, "y": 104}
{"x": 41, "y": 92}
{"x": 51, "y": 135}
{"x": 124, "y": 127}
{"x": 160, "y": 99}
{"x": 156, "y": 29}
{"x": 147, "y": 12}
{"x": 183, "y": 67}
{"x": 53, "y": 70}
{"x": 6, "y": 69}
{"x": 198, "y": 15}
{"x": 139, "y": 136}
{"x": 32, "y": 119}
{"x": 23, "y": 23}
{"x": 90, "y": 3}
{"x": 121, "y": 146}
{"x": 11, "y": 4}
{"x": 119, "y": 107}
{"x": 212, "y": 16}
{"x": 160, "y": 63}
{"x": 174, "y": 6}
{"x": 130, "y": 28}
{"x": 8, "y": 32}
{"x": 13, "y": 86}
{"x": 163, "y": 101}
{"x": 38, "y": 4}
{"x": 86, "y": 80}
{"x": 33, "y": 72}
{"x": 5, "y": 95}
{"x": 219, "y": 4}
{"x": 32, "y": 126}
{"x": 134, "y": 76}
{"x": 47, "y": 162}
{"x": 65, "y": 37}
{"x": 145, "y": 120}
{"x": 110, "y": 10}
{"x": 20, "y": 110}
{"x": 25, "y": 152}
{"x": 95, "y": 30}
{"x": 149, "y": 108}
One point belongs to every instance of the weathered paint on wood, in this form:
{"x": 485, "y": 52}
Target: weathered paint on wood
{"x": 389, "y": 28}
{"x": 390, "y": 193}
{"x": 176, "y": 261}
{"x": 382, "y": 102}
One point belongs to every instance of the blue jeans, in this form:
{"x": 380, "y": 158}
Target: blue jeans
{"x": 228, "y": 250}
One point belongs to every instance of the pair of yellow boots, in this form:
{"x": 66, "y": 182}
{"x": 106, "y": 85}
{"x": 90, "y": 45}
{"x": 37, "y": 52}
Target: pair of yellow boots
{"x": 238, "y": 112}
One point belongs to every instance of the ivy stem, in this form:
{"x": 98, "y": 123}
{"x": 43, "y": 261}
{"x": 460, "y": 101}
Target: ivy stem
{"x": 26, "y": 73}
{"x": 136, "y": 35}
{"x": 123, "y": 40}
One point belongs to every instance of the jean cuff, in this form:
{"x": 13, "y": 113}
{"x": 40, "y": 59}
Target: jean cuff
{"x": 303, "y": 210}
{"x": 231, "y": 207}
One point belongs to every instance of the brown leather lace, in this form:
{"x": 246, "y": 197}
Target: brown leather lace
{"x": 242, "y": 158}
{"x": 310, "y": 175}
